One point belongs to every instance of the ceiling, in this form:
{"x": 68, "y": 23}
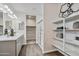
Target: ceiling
{"x": 26, "y": 8}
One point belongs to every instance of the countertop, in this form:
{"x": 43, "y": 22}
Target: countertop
{"x": 9, "y": 38}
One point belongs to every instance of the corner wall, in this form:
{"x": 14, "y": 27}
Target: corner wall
{"x": 51, "y": 11}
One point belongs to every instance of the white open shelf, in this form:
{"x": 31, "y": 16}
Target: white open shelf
{"x": 67, "y": 22}
{"x": 72, "y": 42}
{"x": 73, "y": 17}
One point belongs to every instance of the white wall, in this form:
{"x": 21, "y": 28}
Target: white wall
{"x": 51, "y": 12}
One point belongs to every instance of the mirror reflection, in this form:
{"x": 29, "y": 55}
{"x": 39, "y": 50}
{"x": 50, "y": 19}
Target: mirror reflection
{"x": 1, "y": 23}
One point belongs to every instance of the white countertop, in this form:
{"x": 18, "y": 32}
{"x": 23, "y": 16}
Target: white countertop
{"x": 9, "y": 38}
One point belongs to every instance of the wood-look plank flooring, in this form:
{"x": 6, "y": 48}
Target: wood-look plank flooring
{"x": 31, "y": 41}
{"x": 34, "y": 50}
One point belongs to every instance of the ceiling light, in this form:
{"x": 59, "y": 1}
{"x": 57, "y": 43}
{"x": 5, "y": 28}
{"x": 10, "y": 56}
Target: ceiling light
{"x": 10, "y": 12}
{"x": 10, "y": 16}
{"x": 8, "y": 9}
{"x": 15, "y": 16}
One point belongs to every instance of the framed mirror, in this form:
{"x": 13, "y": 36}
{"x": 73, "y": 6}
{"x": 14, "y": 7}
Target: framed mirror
{"x": 1, "y": 23}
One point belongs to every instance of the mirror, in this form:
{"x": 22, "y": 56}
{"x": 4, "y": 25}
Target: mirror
{"x": 8, "y": 24}
{"x": 1, "y": 23}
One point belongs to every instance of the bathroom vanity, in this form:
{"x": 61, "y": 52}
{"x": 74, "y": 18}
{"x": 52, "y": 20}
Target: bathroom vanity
{"x": 11, "y": 45}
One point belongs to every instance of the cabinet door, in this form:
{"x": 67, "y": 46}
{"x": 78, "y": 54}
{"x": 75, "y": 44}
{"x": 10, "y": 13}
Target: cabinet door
{"x": 7, "y": 48}
{"x": 19, "y": 44}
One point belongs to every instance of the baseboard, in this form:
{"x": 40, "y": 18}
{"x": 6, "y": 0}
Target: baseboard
{"x": 49, "y": 51}
{"x": 64, "y": 53}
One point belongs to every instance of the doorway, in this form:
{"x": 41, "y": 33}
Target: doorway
{"x": 30, "y": 29}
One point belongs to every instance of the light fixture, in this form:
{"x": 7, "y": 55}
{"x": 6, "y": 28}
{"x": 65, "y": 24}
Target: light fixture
{"x": 15, "y": 16}
{"x": 7, "y": 10}
{"x": 10, "y": 16}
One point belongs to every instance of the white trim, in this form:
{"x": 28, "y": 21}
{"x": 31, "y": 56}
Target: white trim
{"x": 49, "y": 51}
{"x": 62, "y": 52}
{"x": 40, "y": 48}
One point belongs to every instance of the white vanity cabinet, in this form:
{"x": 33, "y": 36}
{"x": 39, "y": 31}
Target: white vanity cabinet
{"x": 19, "y": 44}
{"x": 11, "y": 46}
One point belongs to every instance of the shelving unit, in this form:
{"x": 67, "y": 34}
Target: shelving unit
{"x": 70, "y": 40}
{"x": 30, "y": 28}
